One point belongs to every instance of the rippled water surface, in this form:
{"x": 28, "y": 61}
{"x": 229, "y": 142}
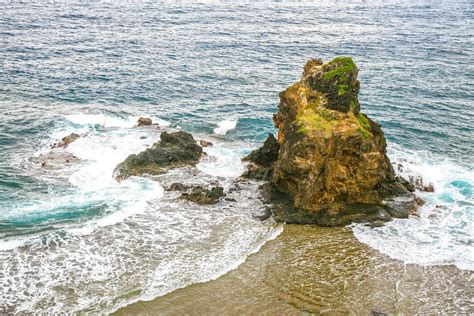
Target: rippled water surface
{"x": 73, "y": 239}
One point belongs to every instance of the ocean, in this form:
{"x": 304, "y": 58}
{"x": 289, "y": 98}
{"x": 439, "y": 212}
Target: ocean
{"x": 72, "y": 239}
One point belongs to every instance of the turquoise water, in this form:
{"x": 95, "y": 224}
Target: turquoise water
{"x": 214, "y": 70}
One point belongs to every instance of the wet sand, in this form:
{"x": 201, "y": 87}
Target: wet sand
{"x": 312, "y": 270}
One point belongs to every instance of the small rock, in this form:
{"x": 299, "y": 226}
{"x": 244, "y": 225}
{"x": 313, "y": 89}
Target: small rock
{"x": 144, "y": 121}
{"x": 438, "y": 206}
{"x": 429, "y": 188}
{"x": 176, "y": 186}
{"x": 205, "y": 143}
{"x": 419, "y": 185}
{"x": 419, "y": 201}
{"x": 201, "y": 195}
{"x": 230, "y": 200}
{"x": 143, "y": 137}
{"x": 65, "y": 141}
{"x": 265, "y": 214}
{"x": 43, "y": 164}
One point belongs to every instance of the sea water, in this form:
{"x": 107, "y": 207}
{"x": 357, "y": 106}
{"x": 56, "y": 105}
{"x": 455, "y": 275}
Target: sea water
{"x": 73, "y": 239}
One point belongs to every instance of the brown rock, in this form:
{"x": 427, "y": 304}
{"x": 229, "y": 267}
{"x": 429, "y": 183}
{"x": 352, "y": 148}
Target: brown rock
{"x": 332, "y": 160}
{"x": 65, "y": 141}
{"x": 205, "y": 143}
{"x": 419, "y": 201}
{"x": 144, "y": 121}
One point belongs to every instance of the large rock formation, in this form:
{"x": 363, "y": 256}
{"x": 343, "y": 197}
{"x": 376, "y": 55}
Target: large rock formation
{"x": 332, "y": 163}
{"x": 173, "y": 150}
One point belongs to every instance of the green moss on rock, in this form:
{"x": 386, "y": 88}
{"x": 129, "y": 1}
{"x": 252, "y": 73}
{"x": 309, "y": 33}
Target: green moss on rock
{"x": 342, "y": 66}
{"x": 364, "y": 125}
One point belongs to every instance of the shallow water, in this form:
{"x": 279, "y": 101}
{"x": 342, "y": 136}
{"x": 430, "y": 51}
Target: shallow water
{"x": 311, "y": 270}
{"x": 72, "y": 239}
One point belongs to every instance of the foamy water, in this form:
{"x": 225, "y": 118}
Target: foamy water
{"x": 224, "y": 126}
{"x": 443, "y": 233}
{"x": 106, "y": 244}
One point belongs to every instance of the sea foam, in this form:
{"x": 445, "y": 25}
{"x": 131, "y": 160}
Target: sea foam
{"x": 443, "y": 233}
{"x": 224, "y": 126}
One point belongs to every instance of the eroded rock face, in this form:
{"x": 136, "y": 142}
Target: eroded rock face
{"x": 173, "y": 150}
{"x": 332, "y": 160}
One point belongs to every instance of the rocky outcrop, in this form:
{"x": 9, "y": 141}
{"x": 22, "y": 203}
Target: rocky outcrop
{"x": 65, "y": 141}
{"x": 261, "y": 160}
{"x": 173, "y": 150}
{"x": 332, "y": 164}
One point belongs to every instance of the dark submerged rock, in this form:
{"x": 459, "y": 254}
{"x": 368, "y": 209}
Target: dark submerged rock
{"x": 172, "y": 151}
{"x": 202, "y": 195}
{"x": 263, "y": 214}
{"x": 176, "y": 186}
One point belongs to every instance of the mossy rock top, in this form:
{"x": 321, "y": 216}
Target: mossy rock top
{"x": 336, "y": 80}
{"x": 314, "y": 117}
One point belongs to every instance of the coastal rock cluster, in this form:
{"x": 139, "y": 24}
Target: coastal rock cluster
{"x": 330, "y": 164}
{"x": 327, "y": 166}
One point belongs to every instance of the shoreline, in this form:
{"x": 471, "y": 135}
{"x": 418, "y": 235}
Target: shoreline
{"x": 309, "y": 269}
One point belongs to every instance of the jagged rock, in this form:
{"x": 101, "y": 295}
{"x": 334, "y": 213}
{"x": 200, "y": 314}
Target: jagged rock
{"x": 418, "y": 184}
{"x": 65, "y": 141}
{"x": 332, "y": 168}
{"x": 261, "y": 160}
{"x": 144, "y": 121}
{"x": 267, "y": 154}
{"x": 201, "y": 195}
{"x": 173, "y": 150}
{"x": 205, "y": 143}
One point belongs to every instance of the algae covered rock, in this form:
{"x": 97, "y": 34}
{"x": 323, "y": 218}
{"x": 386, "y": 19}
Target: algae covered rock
{"x": 332, "y": 160}
{"x": 173, "y": 150}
